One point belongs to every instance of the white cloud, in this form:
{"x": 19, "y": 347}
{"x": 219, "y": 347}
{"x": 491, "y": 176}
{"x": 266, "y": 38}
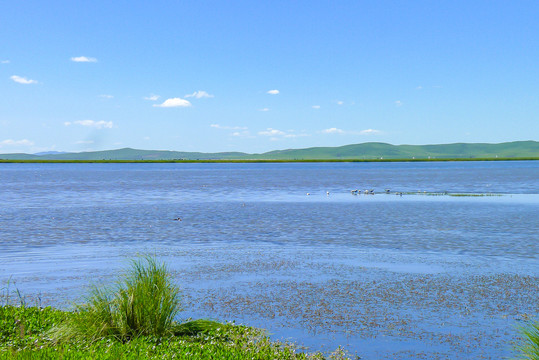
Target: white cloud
{"x": 273, "y": 92}
{"x": 83, "y": 59}
{"x": 264, "y": 109}
{"x": 199, "y": 95}
{"x": 4, "y": 61}
{"x": 398, "y": 103}
{"x": 370, "y": 132}
{"x": 271, "y": 132}
{"x": 419, "y": 87}
{"x": 333, "y": 131}
{"x": 339, "y": 102}
{"x": 294, "y": 135}
{"x": 217, "y": 126}
{"x": 316, "y": 107}
{"x": 84, "y": 142}
{"x": 10, "y": 142}
{"x": 23, "y": 80}
{"x": 91, "y": 123}
{"x": 174, "y": 102}
{"x": 105, "y": 96}
{"x": 275, "y": 134}
{"x": 152, "y": 97}
{"x": 243, "y": 133}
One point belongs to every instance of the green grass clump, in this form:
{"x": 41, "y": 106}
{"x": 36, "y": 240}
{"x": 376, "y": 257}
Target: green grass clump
{"x": 144, "y": 303}
{"x": 529, "y": 348}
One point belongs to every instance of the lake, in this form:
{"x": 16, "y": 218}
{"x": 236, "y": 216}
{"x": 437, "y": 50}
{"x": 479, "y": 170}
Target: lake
{"x": 424, "y": 274}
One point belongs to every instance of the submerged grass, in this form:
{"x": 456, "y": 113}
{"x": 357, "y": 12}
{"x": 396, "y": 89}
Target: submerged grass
{"x": 474, "y": 195}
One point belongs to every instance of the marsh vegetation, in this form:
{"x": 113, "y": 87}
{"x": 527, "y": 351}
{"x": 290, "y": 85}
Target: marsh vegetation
{"x": 135, "y": 319}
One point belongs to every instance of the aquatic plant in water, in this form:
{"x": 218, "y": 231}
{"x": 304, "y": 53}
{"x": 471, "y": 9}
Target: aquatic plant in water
{"x": 144, "y": 303}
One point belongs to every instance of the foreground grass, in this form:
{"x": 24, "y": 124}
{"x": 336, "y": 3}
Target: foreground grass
{"x": 529, "y": 347}
{"x": 144, "y": 302}
{"x": 24, "y": 334}
{"x": 133, "y": 320}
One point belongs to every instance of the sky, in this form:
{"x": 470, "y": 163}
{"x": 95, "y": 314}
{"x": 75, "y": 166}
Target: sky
{"x": 255, "y": 76}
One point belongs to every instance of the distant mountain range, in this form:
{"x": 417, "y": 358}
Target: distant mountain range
{"x": 366, "y": 151}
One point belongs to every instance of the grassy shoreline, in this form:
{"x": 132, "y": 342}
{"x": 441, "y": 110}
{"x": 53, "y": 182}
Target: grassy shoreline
{"x": 133, "y": 319}
{"x": 37, "y": 161}
{"x": 25, "y": 333}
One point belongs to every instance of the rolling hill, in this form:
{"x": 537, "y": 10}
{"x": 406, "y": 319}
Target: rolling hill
{"x": 366, "y": 151}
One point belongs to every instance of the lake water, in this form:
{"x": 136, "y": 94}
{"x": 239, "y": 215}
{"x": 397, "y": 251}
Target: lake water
{"x": 423, "y": 275}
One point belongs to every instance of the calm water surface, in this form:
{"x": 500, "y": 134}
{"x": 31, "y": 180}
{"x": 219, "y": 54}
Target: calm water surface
{"x": 386, "y": 276}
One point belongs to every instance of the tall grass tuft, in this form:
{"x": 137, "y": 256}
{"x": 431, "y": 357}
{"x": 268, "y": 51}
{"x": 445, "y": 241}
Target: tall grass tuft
{"x": 143, "y": 303}
{"x": 529, "y": 349}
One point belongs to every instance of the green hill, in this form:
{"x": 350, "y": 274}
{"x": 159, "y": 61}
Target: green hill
{"x": 134, "y": 154}
{"x": 367, "y": 151}
{"x": 375, "y": 150}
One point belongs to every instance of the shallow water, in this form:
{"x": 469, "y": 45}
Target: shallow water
{"x": 412, "y": 276}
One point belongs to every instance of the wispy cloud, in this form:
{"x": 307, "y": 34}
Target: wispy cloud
{"x": 293, "y": 135}
{"x": 271, "y": 132}
{"x": 264, "y": 109}
{"x": 339, "y": 102}
{"x": 86, "y": 142}
{"x": 273, "y": 92}
{"x": 11, "y": 142}
{"x": 419, "y": 87}
{"x": 105, "y": 96}
{"x": 333, "y": 131}
{"x": 244, "y": 133}
{"x": 23, "y": 80}
{"x": 369, "y": 132}
{"x": 91, "y": 123}
{"x": 217, "y": 126}
{"x": 174, "y": 102}
{"x": 316, "y": 107}
{"x": 152, "y": 97}
{"x": 398, "y": 103}
{"x": 4, "y": 61}
{"x": 276, "y": 134}
{"x": 83, "y": 59}
{"x": 199, "y": 95}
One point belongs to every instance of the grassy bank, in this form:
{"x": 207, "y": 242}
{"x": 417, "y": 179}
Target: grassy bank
{"x": 26, "y": 333}
{"x": 134, "y": 319}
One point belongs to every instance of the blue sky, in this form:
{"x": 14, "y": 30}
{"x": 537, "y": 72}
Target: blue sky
{"x": 257, "y": 76}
